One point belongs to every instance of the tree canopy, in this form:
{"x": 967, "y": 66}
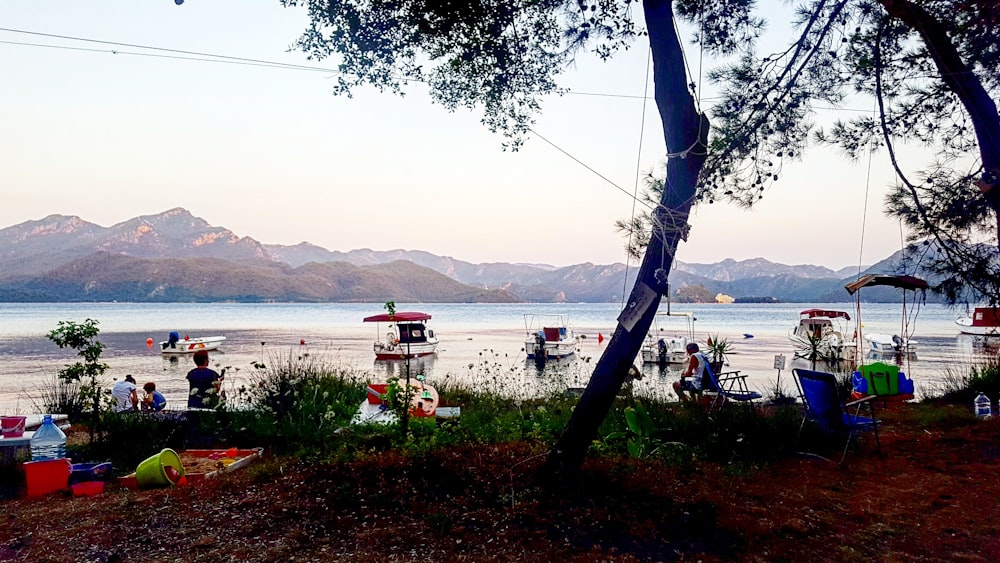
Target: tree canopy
{"x": 930, "y": 64}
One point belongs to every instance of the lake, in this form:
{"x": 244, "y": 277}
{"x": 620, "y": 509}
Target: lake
{"x": 481, "y": 344}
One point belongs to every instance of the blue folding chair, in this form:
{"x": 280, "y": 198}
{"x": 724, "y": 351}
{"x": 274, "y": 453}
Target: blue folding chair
{"x": 823, "y": 406}
{"x": 730, "y": 386}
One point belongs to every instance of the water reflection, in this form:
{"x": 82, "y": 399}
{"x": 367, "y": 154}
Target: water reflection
{"x": 387, "y": 369}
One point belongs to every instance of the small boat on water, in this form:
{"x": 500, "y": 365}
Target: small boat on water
{"x": 889, "y": 345}
{"x": 665, "y": 345}
{"x": 188, "y": 345}
{"x": 984, "y": 321}
{"x": 407, "y": 337}
{"x": 822, "y": 331}
{"x": 548, "y": 337}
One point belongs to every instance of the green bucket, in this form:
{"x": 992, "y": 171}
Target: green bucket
{"x": 152, "y": 471}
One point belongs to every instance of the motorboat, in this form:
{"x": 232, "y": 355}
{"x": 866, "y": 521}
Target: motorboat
{"x": 882, "y": 345}
{"x": 821, "y": 332}
{"x": 549, "y": 337}
{"x": 665, "y": 345}
{"x": 189, "y": 345}
{"x": 889, "y": 344}
{"x": 984, "y": 321}
{"x": 407, "y": 336}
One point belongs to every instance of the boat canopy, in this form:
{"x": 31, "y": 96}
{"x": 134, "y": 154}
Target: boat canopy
{"x": 902, "y": 282}
{"x": 812, "y": 313}
{"x": 404, "y": 316}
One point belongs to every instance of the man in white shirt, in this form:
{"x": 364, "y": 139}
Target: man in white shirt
{"x": 126, "y": 397}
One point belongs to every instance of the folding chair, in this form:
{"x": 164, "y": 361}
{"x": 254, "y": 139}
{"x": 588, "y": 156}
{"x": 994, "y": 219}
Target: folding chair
{"x": 823, "y": 406}
{"x": 730, "y": 385}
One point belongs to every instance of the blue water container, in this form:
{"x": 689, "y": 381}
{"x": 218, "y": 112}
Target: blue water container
{"x": 48, "y": 442}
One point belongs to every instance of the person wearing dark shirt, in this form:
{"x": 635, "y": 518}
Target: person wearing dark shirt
{"x": 205, "y": 384}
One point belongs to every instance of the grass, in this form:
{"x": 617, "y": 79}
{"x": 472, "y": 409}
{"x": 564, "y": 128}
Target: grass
{"x": 301, "y": 406}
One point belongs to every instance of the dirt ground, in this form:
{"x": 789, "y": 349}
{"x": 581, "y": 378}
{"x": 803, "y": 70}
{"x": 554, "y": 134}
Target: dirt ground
{"x": 934, "y": 495}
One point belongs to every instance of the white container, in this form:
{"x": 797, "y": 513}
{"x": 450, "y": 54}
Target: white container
{"x": 48, "y": 442}
{"x": 982, "y": 407}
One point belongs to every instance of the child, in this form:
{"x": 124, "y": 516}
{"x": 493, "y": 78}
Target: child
{"x": 154, "y": 400}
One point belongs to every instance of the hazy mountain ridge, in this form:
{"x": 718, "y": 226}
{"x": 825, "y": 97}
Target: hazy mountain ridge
{"x": 175, "y": 256}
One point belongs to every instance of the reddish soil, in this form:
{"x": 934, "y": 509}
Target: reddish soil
{"x": 934, "y": 495}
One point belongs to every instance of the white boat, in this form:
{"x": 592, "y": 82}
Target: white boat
{"x": 823, "y": 330}
{"x": 188, "y": 345}
{"x": 548, "y": 337}
{"x": 666, "y": 345}
{"x": 884, "y": 345}
{"x": 984, "y": 321}
{"x": 889, "y": 344}
{"x": 407, "y": 336}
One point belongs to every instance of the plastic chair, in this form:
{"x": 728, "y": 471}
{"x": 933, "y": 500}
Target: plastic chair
{"x": 823, "y": 406}
{"x": 730, "y": 385}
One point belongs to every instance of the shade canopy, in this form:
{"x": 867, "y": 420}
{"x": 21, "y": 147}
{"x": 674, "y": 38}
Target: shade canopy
{"x": 812, "y": 313}
{"x": 902, "y": 282}
{"x": 401, "y": 316}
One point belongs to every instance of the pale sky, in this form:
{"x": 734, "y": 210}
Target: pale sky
{"x": 270, "y": 153}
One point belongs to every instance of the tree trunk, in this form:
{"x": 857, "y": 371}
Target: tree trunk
{"x": 685, "y": 131}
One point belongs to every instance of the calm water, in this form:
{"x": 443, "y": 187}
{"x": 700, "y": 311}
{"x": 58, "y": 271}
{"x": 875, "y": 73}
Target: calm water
{"x": 481, "y": 344}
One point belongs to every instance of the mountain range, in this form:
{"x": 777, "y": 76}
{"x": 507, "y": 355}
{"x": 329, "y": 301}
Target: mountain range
{"x": 176, "y": 256}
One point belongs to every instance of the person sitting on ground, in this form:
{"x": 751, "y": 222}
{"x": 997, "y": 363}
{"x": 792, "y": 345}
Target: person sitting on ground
{"x": 690, "y": 386}
{"x": 126, "y": 399}
{"x": 154, "y": 400}
{"x": 205, "y": 384}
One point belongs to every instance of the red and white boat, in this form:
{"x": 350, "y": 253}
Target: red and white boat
{"x": 407, "y": 336}
{"x": 823, "y": 330}
{"x": 984, "y": 321}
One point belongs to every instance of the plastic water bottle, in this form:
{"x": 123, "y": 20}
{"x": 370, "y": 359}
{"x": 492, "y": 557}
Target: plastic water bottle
{"x": 983, "y": 410}
{"x": 48, "y": 442}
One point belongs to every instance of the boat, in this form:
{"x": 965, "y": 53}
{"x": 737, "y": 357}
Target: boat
{"x": 188, "y": 345}
{"x": 407, "y": 336}
{"x": 883, "y": 345}
{"x": 822, "y": 331}
{"x": 549, "y": 337}
{"x": 664, "y": 346}
{"x": 984, "y": 321}
{"x": 880, "y": 344}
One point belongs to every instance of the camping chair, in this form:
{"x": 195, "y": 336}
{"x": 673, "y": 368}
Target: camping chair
{"x": 823, "y": 406}
{"x": 729, "y": 385}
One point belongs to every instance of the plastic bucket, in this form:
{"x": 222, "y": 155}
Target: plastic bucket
{"x": 12, "y": 426}
{"x": 152, "y": 472}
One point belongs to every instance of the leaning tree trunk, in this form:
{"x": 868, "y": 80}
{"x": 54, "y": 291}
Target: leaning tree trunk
{"x": 963, "y": 82}
{"x": 685, "y": 131}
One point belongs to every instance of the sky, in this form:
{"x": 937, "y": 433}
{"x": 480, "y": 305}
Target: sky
{"x": 272, "y": 154}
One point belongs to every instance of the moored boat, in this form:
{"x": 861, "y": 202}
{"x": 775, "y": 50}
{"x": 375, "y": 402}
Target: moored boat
{"x": 548, "y": 337}
{"x": 822, "y": 331}
{"x": 407, "y": 337}
{"x": 984, "y": 321}
{"x": 666, "y": 345}
{"x": 188, "y": 345}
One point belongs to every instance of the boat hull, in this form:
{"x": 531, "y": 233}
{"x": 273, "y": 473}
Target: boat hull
{"x": 401, "y": 352}
{"x": 192, "y": 345}
{"x": 965, "y": 326}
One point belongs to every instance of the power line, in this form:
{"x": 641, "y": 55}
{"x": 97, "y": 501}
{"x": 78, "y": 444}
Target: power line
{"x": 175, "y": 57}
{"x": 167, "y": 50}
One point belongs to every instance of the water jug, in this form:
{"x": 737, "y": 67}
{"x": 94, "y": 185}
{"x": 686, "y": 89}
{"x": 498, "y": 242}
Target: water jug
{"x": 982, "y": 404}
{"x": 48, "y": 442}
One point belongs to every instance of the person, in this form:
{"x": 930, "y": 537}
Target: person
{"x": 205, "y": 383}
{"x": 690, "y": 386}
{"x": 126, "y": 398}
{"x": 154, "y": 400}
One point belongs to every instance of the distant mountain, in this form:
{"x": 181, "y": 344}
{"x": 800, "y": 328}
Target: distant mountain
{"x": 175, "y": 256}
